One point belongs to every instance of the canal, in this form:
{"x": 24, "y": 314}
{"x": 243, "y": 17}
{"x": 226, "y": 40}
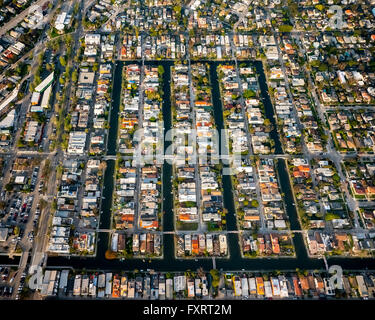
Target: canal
{"x": 269, "y": 110}
{"x": 169, "y": 262}
{"x": 233, "y": 239}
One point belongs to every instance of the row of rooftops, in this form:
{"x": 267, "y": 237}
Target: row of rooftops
{"x": 160, "y": 286}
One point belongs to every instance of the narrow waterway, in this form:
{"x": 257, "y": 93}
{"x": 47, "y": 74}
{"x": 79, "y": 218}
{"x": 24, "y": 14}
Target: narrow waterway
{"x": 5, "y": 260}
{"x": 167, "y": 168}
{"x": 286, "y": 190}
{"x": 270, "y": 113}
{"x": 105, "y": 217}
{"x": 168, "y": 240}
{"x": 116, "y": 96}
{"x": 169, "y": 263}
{"x": 219, "y": 120}
{"x": 233, "y": 239}
{"x": 281, "y": 166}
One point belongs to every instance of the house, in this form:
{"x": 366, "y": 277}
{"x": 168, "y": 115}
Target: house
{"x": 3, "y": 234}
{"x": 77, "y": 142}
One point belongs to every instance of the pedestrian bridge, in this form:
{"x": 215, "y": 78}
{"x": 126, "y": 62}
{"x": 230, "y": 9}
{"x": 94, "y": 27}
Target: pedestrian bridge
{"x": 110, "y": 157}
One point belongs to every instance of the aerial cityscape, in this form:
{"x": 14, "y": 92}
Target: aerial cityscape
{"x": 187, "y": 150}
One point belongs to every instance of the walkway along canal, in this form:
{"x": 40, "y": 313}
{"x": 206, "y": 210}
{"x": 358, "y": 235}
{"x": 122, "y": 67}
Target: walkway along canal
{"x": 169, "y": 263}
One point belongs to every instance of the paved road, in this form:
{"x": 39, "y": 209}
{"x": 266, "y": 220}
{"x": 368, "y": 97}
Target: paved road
{"x": 332, "y": 153}
{"x": 139, "y": 147}
{"x": 26, "y": 245}
{"x": 306, "y": 152}
{"x": 341, "y": 107}
{"x": 248, "y": 137}
{"x": 196, "y": 166}
{"x": 22, "y": 113}
{"x": 58, "y": 156}
{"x": 40, "y": 241}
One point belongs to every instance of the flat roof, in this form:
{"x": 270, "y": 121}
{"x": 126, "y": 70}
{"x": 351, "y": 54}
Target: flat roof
{"x": 86, "y": 77}
{"x": 43, "y": 85}
{"x": 3, "y": 234}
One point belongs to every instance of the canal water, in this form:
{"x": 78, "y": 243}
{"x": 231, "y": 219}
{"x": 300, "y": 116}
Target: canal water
{"x": 269, "y": 110}
{"x": 219, "y": 120}
{"x": 169, "y": 262}
{"x": 233, "y": 239}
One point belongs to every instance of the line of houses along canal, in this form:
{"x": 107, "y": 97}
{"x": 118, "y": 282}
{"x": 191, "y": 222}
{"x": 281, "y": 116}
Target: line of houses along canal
{"x": 169, "y": 262}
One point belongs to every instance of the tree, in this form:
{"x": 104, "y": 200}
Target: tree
{"x": 323, "y": 67}
{"x": 247, "y": 94}
{"x": 267, "y": 122}
{"x": 285, "y": 28}
{"x": 76, "y": 7}
{"x": 336, "y": 178}
{"x": 62, "y": 61}
{"x": 43, "y": 204}
{"x": 110, "y": 255}
{"x": 16, "y": 231}
{"x": 215, "y": 274}
{"x": 201, "y": 272}
{"x": 54, "y": 205}
{"x": 74, "y": 76}
{"x": 177, "y": 10}
{"x": 68, "y": 40}
{"x": 293, "y": 8}
{"x": 160, "y": 70}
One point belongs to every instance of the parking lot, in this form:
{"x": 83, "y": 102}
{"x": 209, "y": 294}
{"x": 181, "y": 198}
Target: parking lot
{"x": 15, "y": 215}
{"x": 7, "y": 277}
